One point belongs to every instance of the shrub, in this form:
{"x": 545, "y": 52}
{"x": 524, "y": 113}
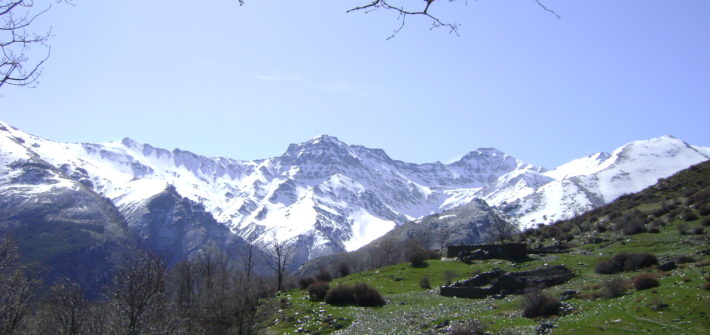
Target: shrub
{"x": 304, "y": 282}
{"x": 358, "y": 295}
{"x": 425, "y": 283}
{"x": 367, "y": 296}
{"x": 683, "y": 259}
{"x": 658, "y": 222}
{"x": 554, "y": 232}
{"x": 633, "y": 228}
{"x": 449, "y": 276}
{"x": 661, "y": 211}
{"x": 324, "y": 275}
{"x": 704, "y": 210}
{"x": 472, "y": 327}
{"x": 595, "y": 240}
{"x": 417, "y": 256}
{"x": 342, "y": 295}
{"x": 343, "y": 269}
{"x": 705, "y": 222}
{"x": 689, "y": 215}
{"x": 613, "y": 288}
{"x": 318, "y": 290}
{"x": 540, "y": 304}
{"x": 645, "y": 281}
{"x": 625, "y": 262}
{"x": 657, "y": 304}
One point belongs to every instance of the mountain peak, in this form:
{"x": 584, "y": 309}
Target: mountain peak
{"x": 325, "y": 138}
{"x": 483, "y": 154}
{"x": 131, "y": 143}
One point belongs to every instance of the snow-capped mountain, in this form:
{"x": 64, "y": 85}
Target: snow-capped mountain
{"x": 325, "y": 196}
{"x": 598, "y": 179}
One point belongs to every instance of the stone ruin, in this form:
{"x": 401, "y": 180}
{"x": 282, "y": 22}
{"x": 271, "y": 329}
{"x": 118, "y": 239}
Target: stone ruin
{"x": 509, "y": 251}
{"x": 499, "y": 282}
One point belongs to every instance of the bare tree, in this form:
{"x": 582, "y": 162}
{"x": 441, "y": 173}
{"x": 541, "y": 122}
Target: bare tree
{"x": 138, "y": 292}
{"x": 66, "y": 309}
{"x": 8, "y": 253}
{"x": 411, "y": 9}
{"x": 184, "y": 286}
{"x": 17, "y": 291}
{"x": 281, "y": 258}
{"x": 501, "y": 229}
{"x": 17, "y": 66}
{"x": 224, "y": 304}
{"x": 442, "y": 235}
{"x": 248, "y": 257}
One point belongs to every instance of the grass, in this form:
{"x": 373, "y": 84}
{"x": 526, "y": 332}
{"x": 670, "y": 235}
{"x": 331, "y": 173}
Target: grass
{"x": 413, "y": 310}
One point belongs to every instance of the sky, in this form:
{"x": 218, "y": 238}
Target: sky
{"x": 220, "y": 79}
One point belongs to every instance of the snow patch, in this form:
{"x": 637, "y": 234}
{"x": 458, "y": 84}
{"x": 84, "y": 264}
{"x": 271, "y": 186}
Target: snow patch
{"x": 366, "y": 228}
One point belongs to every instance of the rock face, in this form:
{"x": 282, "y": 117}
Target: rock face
{"x": 177, "y": 228}
{"x": 62, "y": 225}
{"x": 498, "y": 282}
{"x": 60, "y": 222}
{"x": 464, "y": 225}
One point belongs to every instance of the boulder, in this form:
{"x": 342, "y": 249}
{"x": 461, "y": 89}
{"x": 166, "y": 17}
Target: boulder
{"x": 498, "y": 282}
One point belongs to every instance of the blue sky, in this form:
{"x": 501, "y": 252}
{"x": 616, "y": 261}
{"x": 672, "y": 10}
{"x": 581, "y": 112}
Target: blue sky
{"x": 243, "y": 82}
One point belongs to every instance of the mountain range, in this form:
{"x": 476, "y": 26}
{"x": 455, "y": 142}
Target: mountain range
{"x": 321, "y": 196}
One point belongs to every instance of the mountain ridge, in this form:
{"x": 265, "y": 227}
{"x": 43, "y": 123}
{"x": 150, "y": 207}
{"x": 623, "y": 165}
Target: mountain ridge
{"x": 326, "y": 196}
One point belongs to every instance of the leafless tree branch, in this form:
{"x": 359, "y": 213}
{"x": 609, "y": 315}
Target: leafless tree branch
{"x": 424, "y": 12}
{"x": 17, "y": 17}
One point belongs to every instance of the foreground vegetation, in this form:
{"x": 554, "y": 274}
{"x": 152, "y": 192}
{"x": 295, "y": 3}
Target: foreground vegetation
{"x": 668, "y": 222}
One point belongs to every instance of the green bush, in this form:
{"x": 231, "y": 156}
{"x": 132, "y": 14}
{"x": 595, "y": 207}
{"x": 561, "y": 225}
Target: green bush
{"x": 613, "y": 288}
{"x": 357, "y": 295}
{"x": 304, "y": 282}
{"x": 625, "y": 262}
{"x": 540, "y": 304}
{"x": 318, "y": 290}
{"x": 704, "y": 209}
{"x": 324, "y": 275}
{"x": 683, "y": 259}
{"x": 645, "y": 281}
{"x": 689, "y": 215}
{"x": 343, "y": 269}
{"x": 425, "y": 283}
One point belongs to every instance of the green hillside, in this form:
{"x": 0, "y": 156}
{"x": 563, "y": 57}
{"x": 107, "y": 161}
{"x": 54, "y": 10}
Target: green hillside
{"x": 669, "y": 220}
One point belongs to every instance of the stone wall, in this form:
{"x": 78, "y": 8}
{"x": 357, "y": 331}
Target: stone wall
{"x": 510, "y": 251}
{"x": 499, "y": 282}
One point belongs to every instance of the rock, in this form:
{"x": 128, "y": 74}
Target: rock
{"x": 497, "y": 282}
{"x": 667, "y": 266}
{"x": 567, "y": 295}
{"x": 442, "y": 324}
{"x": 545, "y": 327}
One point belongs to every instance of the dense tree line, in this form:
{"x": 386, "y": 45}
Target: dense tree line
{"x": 206, "y": 296}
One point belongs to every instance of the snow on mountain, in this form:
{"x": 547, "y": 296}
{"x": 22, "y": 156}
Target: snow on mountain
{"x": 598, "y": 179}
{"x": 325, "y": 196}
{"x": 582, "y": 166}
